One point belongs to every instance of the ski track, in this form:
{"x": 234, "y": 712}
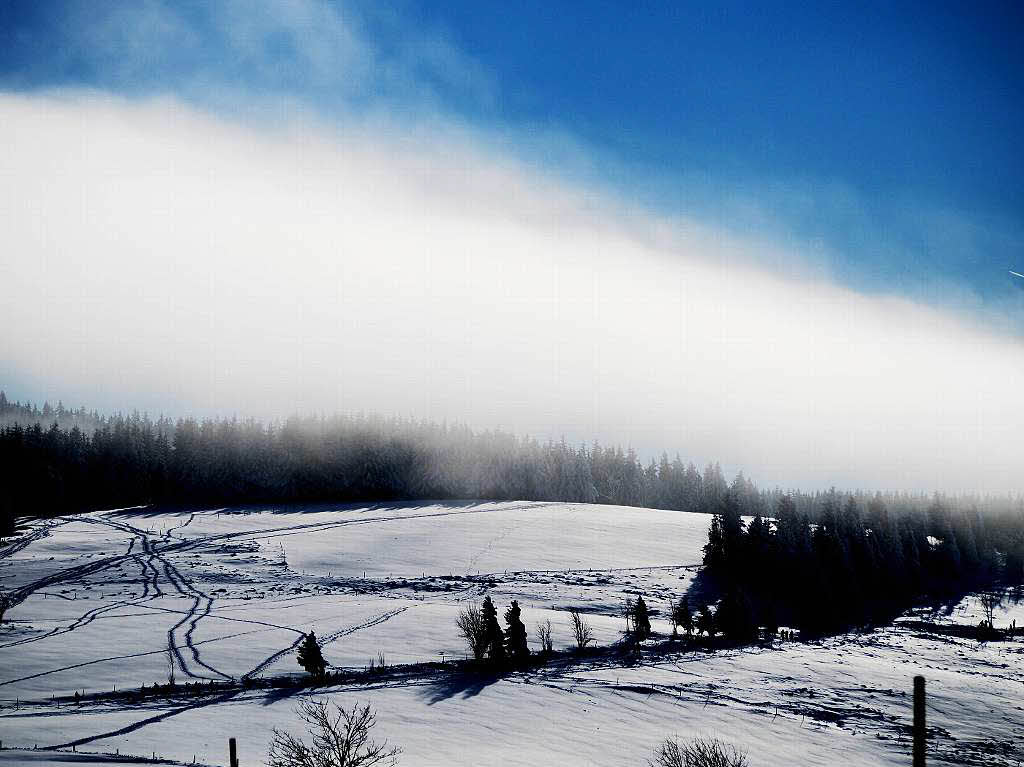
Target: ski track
{"x": 192, "y": 618}
{"x": 201, "y": 603}
{"x": 163, "y": 715}
{"x": 150, "y": 551}
{"x": 22, "y": 541}
{"x": 327, "y": 639}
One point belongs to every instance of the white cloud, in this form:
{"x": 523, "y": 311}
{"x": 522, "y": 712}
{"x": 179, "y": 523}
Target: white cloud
{"x": 156, "y": 256}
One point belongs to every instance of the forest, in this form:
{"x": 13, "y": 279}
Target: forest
{"x": 836, "y": 559}
{"x": 55, "y": 460}
{"x": 852, "y": 564}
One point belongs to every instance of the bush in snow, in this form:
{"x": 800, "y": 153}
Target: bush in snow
{"x": 699, "y": 752}
{"x": 580, "y": 630}
{"x": 543, "y": 632}
{"x": 473, "y": 628}
{"x": 706, "y": 621}
{"x": 339, "y": 739}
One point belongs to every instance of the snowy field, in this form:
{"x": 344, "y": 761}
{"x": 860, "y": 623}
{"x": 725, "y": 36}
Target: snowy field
{"x": 111, "y": 598}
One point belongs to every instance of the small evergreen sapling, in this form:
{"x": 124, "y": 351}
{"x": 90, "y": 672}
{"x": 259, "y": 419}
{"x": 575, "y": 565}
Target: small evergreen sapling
{"x": 310, "y": 657}
{"x": 641, "y": 620}
{"x": 682, "y": 617}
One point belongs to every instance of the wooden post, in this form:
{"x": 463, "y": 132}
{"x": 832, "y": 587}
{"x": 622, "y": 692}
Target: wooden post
{"x": 919, "y": 744}
{"x": 233, "y": 753}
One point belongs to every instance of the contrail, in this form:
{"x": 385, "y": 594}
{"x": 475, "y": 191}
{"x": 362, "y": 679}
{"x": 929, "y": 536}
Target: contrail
{"x": 1016, "y": 274}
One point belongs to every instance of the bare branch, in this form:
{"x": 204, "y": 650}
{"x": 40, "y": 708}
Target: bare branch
{"x": 580, "y": 629}
{"x": 341, "y": 740}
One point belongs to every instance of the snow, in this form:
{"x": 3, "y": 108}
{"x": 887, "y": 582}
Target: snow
{"x": 227, "y": 593}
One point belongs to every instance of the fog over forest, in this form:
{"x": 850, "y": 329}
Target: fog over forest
{"x": 164, "y": 259}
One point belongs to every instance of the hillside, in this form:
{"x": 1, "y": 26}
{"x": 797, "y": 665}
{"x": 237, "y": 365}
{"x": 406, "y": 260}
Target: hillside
{"x": 226, "y": 594}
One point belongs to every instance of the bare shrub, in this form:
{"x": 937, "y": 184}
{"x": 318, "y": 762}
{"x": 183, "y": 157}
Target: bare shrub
{"x": 170, "y": 667}
{"x": 990, "y": 600}
{"x": 628, "y": 611}
{"x": 339, "y": 739}
{"x": 580, "y": 630}
{"x": 544, "y": 636}
{"x": 473, "y": 628}
{"x": 699, "y": 752}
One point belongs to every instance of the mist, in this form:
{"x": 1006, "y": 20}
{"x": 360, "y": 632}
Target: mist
{"x": 156, "y": 256}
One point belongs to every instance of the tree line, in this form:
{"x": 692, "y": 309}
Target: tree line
{"x": 54, "y": 460}
{"x": 57, "y": 461}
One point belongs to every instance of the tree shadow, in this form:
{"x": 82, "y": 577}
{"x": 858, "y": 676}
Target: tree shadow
{"x": 277, "y": 694}
{"x": 702, "y": 590}
{"x": 462, "y": 684}
{"x": 159, "y": 717}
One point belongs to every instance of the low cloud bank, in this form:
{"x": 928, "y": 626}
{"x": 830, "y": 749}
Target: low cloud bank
{"x": 157, "y": 257}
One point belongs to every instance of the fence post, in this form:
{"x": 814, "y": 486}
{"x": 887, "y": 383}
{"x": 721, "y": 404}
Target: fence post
{"x": 232, "y": 752}
{"x": 919, "y": 744}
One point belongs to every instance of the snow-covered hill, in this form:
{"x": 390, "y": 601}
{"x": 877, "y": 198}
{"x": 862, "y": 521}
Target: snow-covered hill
{"x": 111, "y": 599}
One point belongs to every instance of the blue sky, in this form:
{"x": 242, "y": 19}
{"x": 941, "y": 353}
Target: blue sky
{"x": 886, "y": 135}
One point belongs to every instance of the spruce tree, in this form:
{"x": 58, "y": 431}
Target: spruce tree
{"x": 714, "y": 549}
{"x": 641, "y": 619}
{"x": 682, "y": 617}
{"x": 310, "y": 657}
{"x": 735, "y": 617}
{"x": 515, "y": 635}
{"x": 495, "y": 638}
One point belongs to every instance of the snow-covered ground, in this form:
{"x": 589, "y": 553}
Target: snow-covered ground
{"x": 112, "y": 597}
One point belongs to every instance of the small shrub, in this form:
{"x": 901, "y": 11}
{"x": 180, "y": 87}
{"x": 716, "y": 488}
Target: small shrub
{"x": 339, "y": 739}
{"x": 543, "y": 633}
{"x": 473, "y": 628}
{"x": 699, "y": 752}
{"x": 580, "y": 630}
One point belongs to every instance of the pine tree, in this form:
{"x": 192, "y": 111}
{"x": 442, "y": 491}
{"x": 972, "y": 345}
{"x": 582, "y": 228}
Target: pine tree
{"x": 641, "y": 619}
{"x": 515, "y": 635}
{"x": 735, "y": 616}
{"x": 495, "y": 643}
{"x": 310, "y": 657}
{"x": 682, "y": 617}
{"x": 714, "y": 549}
